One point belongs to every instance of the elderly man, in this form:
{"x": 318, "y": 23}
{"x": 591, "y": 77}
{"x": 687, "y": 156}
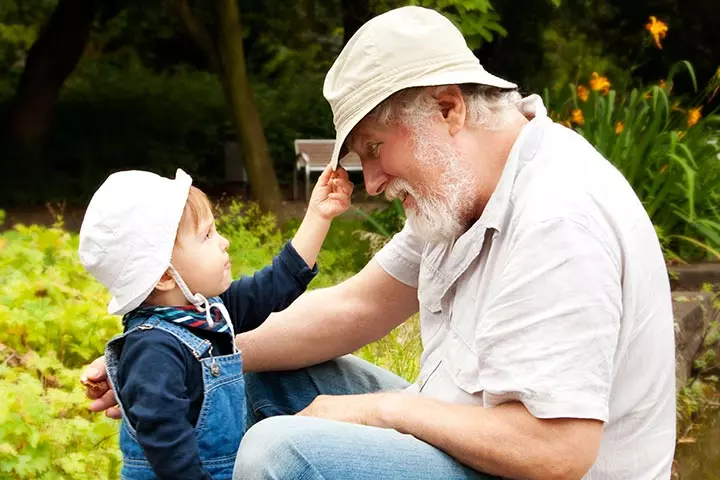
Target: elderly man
{"x": 544, "y": 301}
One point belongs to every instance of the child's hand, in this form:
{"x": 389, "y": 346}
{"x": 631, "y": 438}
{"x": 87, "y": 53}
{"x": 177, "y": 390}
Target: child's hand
{"x": 331, "y": 195}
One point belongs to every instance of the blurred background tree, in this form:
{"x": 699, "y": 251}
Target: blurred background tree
{"x": 90, "y": 87}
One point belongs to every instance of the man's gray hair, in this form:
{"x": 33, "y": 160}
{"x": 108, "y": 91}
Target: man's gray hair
{"x": 486, "y": 106}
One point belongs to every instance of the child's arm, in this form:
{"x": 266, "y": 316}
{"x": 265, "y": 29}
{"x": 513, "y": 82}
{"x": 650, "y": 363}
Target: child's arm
{"x": 152, "y": 376}
{"x": 251, "y": 299}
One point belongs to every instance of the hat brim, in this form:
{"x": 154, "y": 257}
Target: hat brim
{"x": 475, "y": 75}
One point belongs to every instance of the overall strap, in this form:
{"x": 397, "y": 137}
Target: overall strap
{"x": 198, "y": 346}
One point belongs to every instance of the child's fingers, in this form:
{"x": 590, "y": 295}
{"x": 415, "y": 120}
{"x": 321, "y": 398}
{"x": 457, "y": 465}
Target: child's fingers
{"x": 340, "y": 197}
{"x": 340, "y": 185}
{"x": 342, "y": 173}
{"x": 325, "y": 175}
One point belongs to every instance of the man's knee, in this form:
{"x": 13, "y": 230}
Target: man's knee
{"x": 277, "y": 448}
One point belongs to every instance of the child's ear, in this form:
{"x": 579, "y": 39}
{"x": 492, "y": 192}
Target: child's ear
{"x": 166, "y": 282}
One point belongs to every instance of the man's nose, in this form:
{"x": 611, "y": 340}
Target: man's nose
{"x": 375, "y": 178}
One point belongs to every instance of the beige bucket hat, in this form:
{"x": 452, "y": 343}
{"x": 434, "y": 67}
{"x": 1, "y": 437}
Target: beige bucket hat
{"x": 403, "y": 48}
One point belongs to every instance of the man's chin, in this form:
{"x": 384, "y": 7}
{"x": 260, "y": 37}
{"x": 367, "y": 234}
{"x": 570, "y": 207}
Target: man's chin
{"x": 431, "y": 234}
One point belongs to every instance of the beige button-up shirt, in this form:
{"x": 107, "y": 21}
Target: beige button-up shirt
{"x": 557, "y": 297}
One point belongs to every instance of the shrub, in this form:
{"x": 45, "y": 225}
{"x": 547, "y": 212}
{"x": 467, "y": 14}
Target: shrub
{"x": 666, "y": 149}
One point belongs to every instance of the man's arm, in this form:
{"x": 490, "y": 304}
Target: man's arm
{"x": 505, "y": 440}
{"x": 329, "y": 322}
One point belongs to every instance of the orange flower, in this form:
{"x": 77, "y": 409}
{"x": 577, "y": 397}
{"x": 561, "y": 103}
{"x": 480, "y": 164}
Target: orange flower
{"x": 583, "y": 93}
{"x": 577, "y": 117}
{"x": 619, "y": 128}
{"x": 658, "y": 30}
{"x": 716, "y": 80}
{"x": 599, "y": 83}
{"x": 662, "y": 84}
{"x": 694, "y": 116}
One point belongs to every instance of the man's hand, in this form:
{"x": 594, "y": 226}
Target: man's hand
{"x": 359, "y": 409}
{"x": 98, "y": 389}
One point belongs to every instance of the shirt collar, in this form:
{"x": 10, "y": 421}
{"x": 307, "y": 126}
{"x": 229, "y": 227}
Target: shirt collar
{"x": 522, "y": 151}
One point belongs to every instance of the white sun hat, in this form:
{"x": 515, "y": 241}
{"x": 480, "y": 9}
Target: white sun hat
{"x": 128, "y": 233}
{"x": 403, "y": 48}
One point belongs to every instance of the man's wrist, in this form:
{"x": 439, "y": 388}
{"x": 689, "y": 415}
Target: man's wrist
{"x": 388, "y": 410}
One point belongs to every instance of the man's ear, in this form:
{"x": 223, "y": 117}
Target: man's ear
{"x": 166, "y": 282}
{"x": 453, "y": 108}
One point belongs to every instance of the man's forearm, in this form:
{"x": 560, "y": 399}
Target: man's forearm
{"x": 301, "y": 335}
{"x": 330, "y": 322}
{"x": 506, "y": 440}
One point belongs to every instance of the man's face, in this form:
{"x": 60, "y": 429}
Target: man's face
{"x": 421, "y": 166}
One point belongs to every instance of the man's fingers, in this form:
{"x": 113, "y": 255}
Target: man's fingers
{"x": 96, "y": 370}
{"x": 113, "y": 412}
{"x": 106, "y": 401}
{"x": 95, "y": 390}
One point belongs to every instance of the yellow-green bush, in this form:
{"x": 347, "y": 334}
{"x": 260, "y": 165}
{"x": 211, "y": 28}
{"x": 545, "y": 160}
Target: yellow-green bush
{"x": 53, "y": 322}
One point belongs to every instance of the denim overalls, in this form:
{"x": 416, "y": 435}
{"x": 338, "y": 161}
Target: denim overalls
{"x": 221, "y": 422}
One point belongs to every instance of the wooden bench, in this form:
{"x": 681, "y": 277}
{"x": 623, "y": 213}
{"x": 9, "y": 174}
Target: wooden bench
{"x": 314, "y": 156}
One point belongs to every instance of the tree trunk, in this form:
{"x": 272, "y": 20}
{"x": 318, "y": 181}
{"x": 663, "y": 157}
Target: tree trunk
{"x": 243, "y": 112}
{"x": 355, "y": 14}
{"x": 49, "y": 62}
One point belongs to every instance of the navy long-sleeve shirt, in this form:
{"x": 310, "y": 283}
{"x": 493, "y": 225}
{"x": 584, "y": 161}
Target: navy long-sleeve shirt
{"x": 161, "y": 383}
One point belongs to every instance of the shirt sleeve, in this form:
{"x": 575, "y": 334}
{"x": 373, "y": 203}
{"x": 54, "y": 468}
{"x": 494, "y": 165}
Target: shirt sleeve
{"x": 252, "y": 298}
{"x": 152, "y": 377}
{"x": 549, "y": 336}
{"x": 400, "y": 257}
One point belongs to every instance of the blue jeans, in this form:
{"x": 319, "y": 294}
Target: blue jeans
{"x": 305, "y": 448}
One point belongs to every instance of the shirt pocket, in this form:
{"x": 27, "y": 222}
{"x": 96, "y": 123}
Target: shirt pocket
{"x": 462, "y": 363}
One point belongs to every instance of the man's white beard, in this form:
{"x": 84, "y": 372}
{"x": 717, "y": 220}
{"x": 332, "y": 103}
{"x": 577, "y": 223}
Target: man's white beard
{"x": 438, "y": 214}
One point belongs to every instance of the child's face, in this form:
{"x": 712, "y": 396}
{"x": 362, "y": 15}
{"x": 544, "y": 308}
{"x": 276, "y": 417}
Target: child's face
{"x": 200, "y": 257}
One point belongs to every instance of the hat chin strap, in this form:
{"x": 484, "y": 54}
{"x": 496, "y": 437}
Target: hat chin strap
{"x": 202, "y": 304}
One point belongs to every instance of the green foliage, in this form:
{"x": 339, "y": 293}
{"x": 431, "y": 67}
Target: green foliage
{"x": 254, "y": 236}
{"x": 399, "y": 351}
{"x": 43, "y": 295}
{"x": 292, "y": 109}
{"x": 53, "y": 321}
{"x": 381, "y": 224}
{"x": 665, "y": 150}
{"x": 570, "y": 54}
{"x": 476, "y": 19}
{"x": 46, "y": 430}
{"x": 111, "y": 118}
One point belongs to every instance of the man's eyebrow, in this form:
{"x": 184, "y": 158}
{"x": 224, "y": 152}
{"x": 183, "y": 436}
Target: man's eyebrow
{"x": 353, "y": 138}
